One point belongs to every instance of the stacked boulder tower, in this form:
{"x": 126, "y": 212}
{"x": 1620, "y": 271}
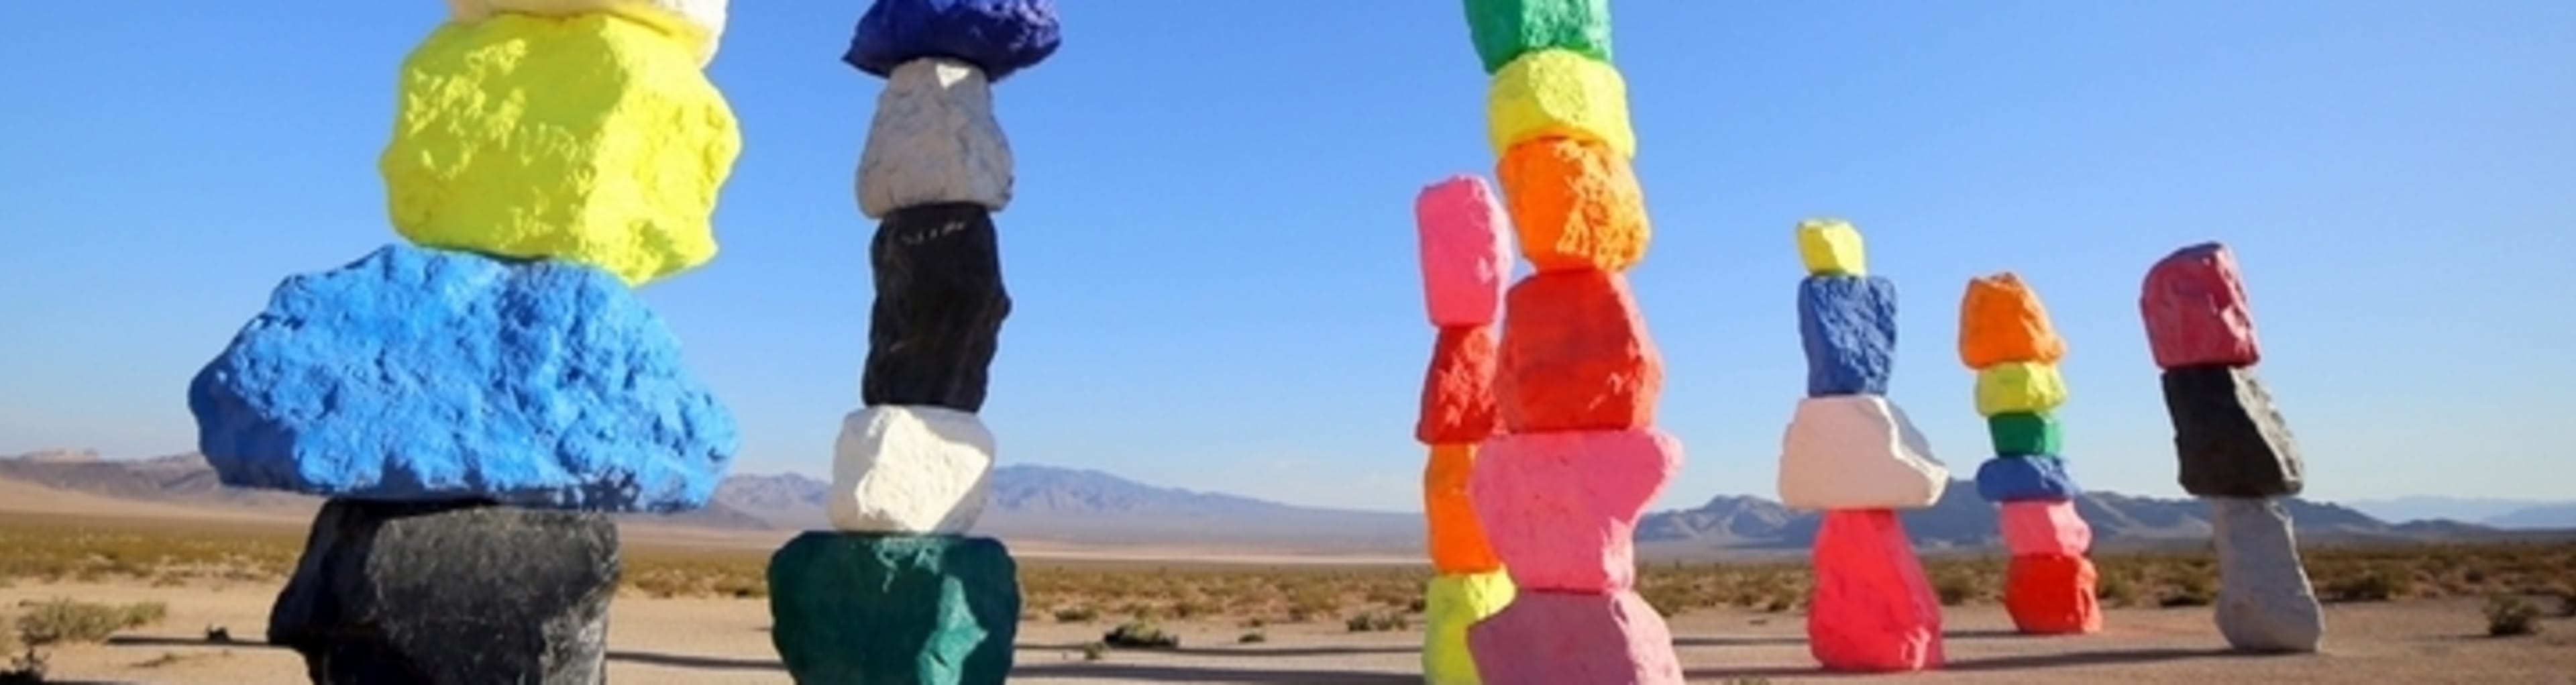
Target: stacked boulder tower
{"x": 1577, "y": 376}
{"x": 900, "y": 592}
{"x": 1466, "y": 256}
{"x": 1853, "y": 454}
{"x": 2006, "y": 337}
{"x": 474, "y": 403}
{"x": 2235, "y": 450}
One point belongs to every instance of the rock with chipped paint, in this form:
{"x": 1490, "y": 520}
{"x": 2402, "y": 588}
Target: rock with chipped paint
{"x": 934, "y": 140}
{"x": 2265, "y": 603}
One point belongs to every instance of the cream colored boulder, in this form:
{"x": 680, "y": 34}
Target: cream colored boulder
{"x": 1857, "y": 452}
{"x": 702, "y": 21}
{"x": 911, "y": 470}
{"x": 934, "y": 140}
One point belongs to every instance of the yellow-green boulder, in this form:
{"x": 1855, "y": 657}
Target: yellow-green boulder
{"x": 1831, "y": 247}
{"x": 1558, "y": 93}
{"x": 592, "y": 138}
{"x": 1450, "y": 605}
{"x": 2019, "y": 388}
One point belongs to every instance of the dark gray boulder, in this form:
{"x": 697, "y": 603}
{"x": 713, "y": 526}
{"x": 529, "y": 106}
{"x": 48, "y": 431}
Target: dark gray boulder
{"x": 2231, "y": 440}
{"x": 939, "y": 307}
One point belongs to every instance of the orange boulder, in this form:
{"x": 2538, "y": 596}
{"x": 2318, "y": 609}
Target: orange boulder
{"x": 1458, "y": 389}
{"x": 1575, "y": 356}
{"x": 1457, "y": 537}
{"x": 1575, "y": 205}
{"x": 2001, "y": 321}
{"x": 2052, "y": 594}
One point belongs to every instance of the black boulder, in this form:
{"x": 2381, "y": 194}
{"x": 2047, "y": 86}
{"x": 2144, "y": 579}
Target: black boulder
{"x": 939, "y": 307}
{"x": 2231, "y": 440}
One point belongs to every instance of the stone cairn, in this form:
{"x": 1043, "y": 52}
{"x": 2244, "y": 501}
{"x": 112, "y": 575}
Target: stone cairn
{"x": 476, "y": 402}
{"x": 1853, "y": 454}
{"x": 1576, "y": 374}
{"x": 900, "y": 593}
{"x": 1466, "y": 255}
{"x": 2006, "y": 337}
{"x": 2236, "y": 452}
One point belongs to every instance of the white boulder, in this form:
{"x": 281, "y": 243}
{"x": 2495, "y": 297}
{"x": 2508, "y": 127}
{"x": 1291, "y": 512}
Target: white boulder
{"x": 1857, "y": 452}
{"x": 912, "y": 470}
{"x": 707, "y": 17}
{"x": 934, "y": 140}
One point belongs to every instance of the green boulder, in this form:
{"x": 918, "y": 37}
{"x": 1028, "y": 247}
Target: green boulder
{"x": 2025, "y": 433}
{"x": 886, "y": 609}
{"x": 1504, "y": 29}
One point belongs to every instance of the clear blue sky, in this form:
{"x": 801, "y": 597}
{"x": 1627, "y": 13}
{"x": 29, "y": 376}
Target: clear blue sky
{"x": 1212, "y": 248}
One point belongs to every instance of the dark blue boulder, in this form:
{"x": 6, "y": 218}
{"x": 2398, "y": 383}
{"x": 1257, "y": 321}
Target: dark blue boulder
{"x": 419, "y": 375}
{"x": 1848, "y": 326}
{"x": 2025, "y": 478}
{"x": 999, "y": 36}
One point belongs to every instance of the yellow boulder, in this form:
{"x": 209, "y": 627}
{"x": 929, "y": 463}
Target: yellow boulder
{"x": 2019, "y": 388}
{"x": 1454, "y": 602}
{"x": 1559, "y": 93}
{"x": 592, "y": 138}
{"x": 1831, "y": 247}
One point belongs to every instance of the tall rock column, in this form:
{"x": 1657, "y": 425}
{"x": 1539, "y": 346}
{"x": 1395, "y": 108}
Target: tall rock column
{"x": 900, "y": 592}
{"x": 475, "y": 402}
{"x": 1854, "y": 454}
{"x": 2236, "y": 452}
{"x": 1466, "y": 254}
{"x": 1577, "y": 375}
{"x": 2005, "y": 335}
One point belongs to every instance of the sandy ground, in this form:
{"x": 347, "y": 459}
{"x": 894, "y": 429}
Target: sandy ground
{"x": 721, "y": 642}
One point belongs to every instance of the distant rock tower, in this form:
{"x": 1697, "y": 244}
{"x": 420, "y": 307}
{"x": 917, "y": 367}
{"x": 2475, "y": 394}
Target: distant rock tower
{"x": 2005, "y": 335}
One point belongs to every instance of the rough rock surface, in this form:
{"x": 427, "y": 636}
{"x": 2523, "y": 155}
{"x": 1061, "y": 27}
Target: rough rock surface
{"x": 1559, "y": 94}
{"x": 450, "y": 593}
{"x": 2194, "y": 306}
{"x": 2026, "y": 433}
{"x": 2231, "y": 440}
{"x": 1847, "y": 326}
{"x": 554, "y": 386}
{"x": 1575, "y": 355}
{"x": 1872, "y": 610}
{"x": 934, "y": 140}
{"x": 1451, "y": 604}
{"x": 1455, "y": 536}
{"x": 1458, "y": 388}
{"x": 2001, "y": 321}
{"x": 860, "y": 608}
{"x": 2265, "y": 603}
{"x": 940, "y": 303}
{"x": 701, "y": 21}
{"x": 2019, "y": 387}
{"x": 1857, "y": 452}
{"x": 910, "y": 470}
{"x": 1466, "y": 251}
{"x": 611, "y": 151}
{"x": 2052, "y": 594}
{"x": 2026, "y": 478}
{"x": 2044, "y": 528}
{"x": 1831, "y": 247}
{"x": 1553, "y": 638}
{"x": 1504, "y": 30}
{"x": 1574, "y": 205}
{"x": 1000, "y": 37}
{"x": 1561, "y": 508}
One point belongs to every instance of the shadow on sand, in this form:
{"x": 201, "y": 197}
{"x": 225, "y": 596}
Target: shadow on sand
{"x": 2001, "y": 663}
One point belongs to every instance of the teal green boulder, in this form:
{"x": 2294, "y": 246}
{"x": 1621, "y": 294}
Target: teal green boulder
{"x": 2025, "y": 433}
{"x": 1505, "y": 29}
{"x": 885, "y": 609}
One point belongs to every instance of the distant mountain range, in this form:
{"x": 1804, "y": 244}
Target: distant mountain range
{"x": 1094, "y": 508}
{"x": 2497, "y": 512}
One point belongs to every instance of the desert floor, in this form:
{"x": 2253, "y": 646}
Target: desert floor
{"x": 722, "y": 641}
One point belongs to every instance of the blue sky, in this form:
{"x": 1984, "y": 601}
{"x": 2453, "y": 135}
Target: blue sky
{"x": 1212, "y": 250}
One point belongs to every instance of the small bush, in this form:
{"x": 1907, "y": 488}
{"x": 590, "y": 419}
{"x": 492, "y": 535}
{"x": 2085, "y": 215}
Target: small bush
{"x": 1095, "y": 651}
{"x": 1254, "y": 637}
{"x": 2193, "y": 590}
{"x": 1140, "y": 635}
{"x": 2508, "y": 616}
{"x": 1077, "y": 614}
{"x": 1375, "y": 621}
{"x": 1957, "y": 588}
{"x": 2118, "y": 590}
{"x": 63, "y": 621}
{"x": 2371, "y": 586}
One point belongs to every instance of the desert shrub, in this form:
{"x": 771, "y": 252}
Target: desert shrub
{"x": 1375, "y": 621}
{"x": 1095, "y": 651}
{"x": 2191, "y": 590}
{"x": 1077, "y": 614}
{"x": 2118, "y": 589}
{"x": 1957, "y": 588}
{"x": 2375, "y": 585}
{"x": 2567, "y": 604}
{"x": 1140, "y": 635}
{"x": 1668, "y": 600}
{"x": 2508, "y": 615}
{"x": 1252, "y": 637}
{"x": 63, "y": 621}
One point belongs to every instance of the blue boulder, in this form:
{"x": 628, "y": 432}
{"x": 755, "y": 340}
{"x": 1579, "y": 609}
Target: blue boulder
{"x": 417, "y": 375}
{"x": 1848, "y": 326}
{"x": 2025, "y": 478}
{"x": 998, "y": 36}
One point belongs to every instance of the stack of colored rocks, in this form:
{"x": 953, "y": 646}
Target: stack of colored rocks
{"x": 900, "y": 593}
{"x": 474, "y": 403}
{"x": 2236, "y": 452}
{"x": 1577, "y": 375}
{"x": 1852, "y": 453}
{"x": 1465, "y": 257}
{"x": 2005, "y": 335}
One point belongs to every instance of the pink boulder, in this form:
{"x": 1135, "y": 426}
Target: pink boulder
{"x": 1466, "y": 250}
{"x": 1872, "y": 611}
{"x": 2045, "y": 528}
{"x": 1561, "y": 508}
{"x": 2194, "y": 306}
{"x": 1553, "y": 638}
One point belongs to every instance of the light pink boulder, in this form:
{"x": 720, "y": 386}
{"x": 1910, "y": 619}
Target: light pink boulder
{"x": 1551, "y": 638}
{"x": 1466, "y": 250}
{"x": 1561, "y": 507}
{"x": 1871, "y": 611}
{"x": 2045, "y": 528}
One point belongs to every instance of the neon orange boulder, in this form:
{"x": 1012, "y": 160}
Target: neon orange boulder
{"x": 1457, "y": 538}
{"x": 2002, "y": 321}
{"x": 1575, "y": 356}
{"x": 1575, "y": 205}
{"x": 2051, "y": 594}
{"x": 1458, "y": 389}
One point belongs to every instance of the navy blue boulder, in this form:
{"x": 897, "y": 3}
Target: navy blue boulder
{"x": 417, "y": 374}
{"x": 1848, "y": 326}
{"x": 998, "y": 36}
{"x": 2025, "y": 478}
